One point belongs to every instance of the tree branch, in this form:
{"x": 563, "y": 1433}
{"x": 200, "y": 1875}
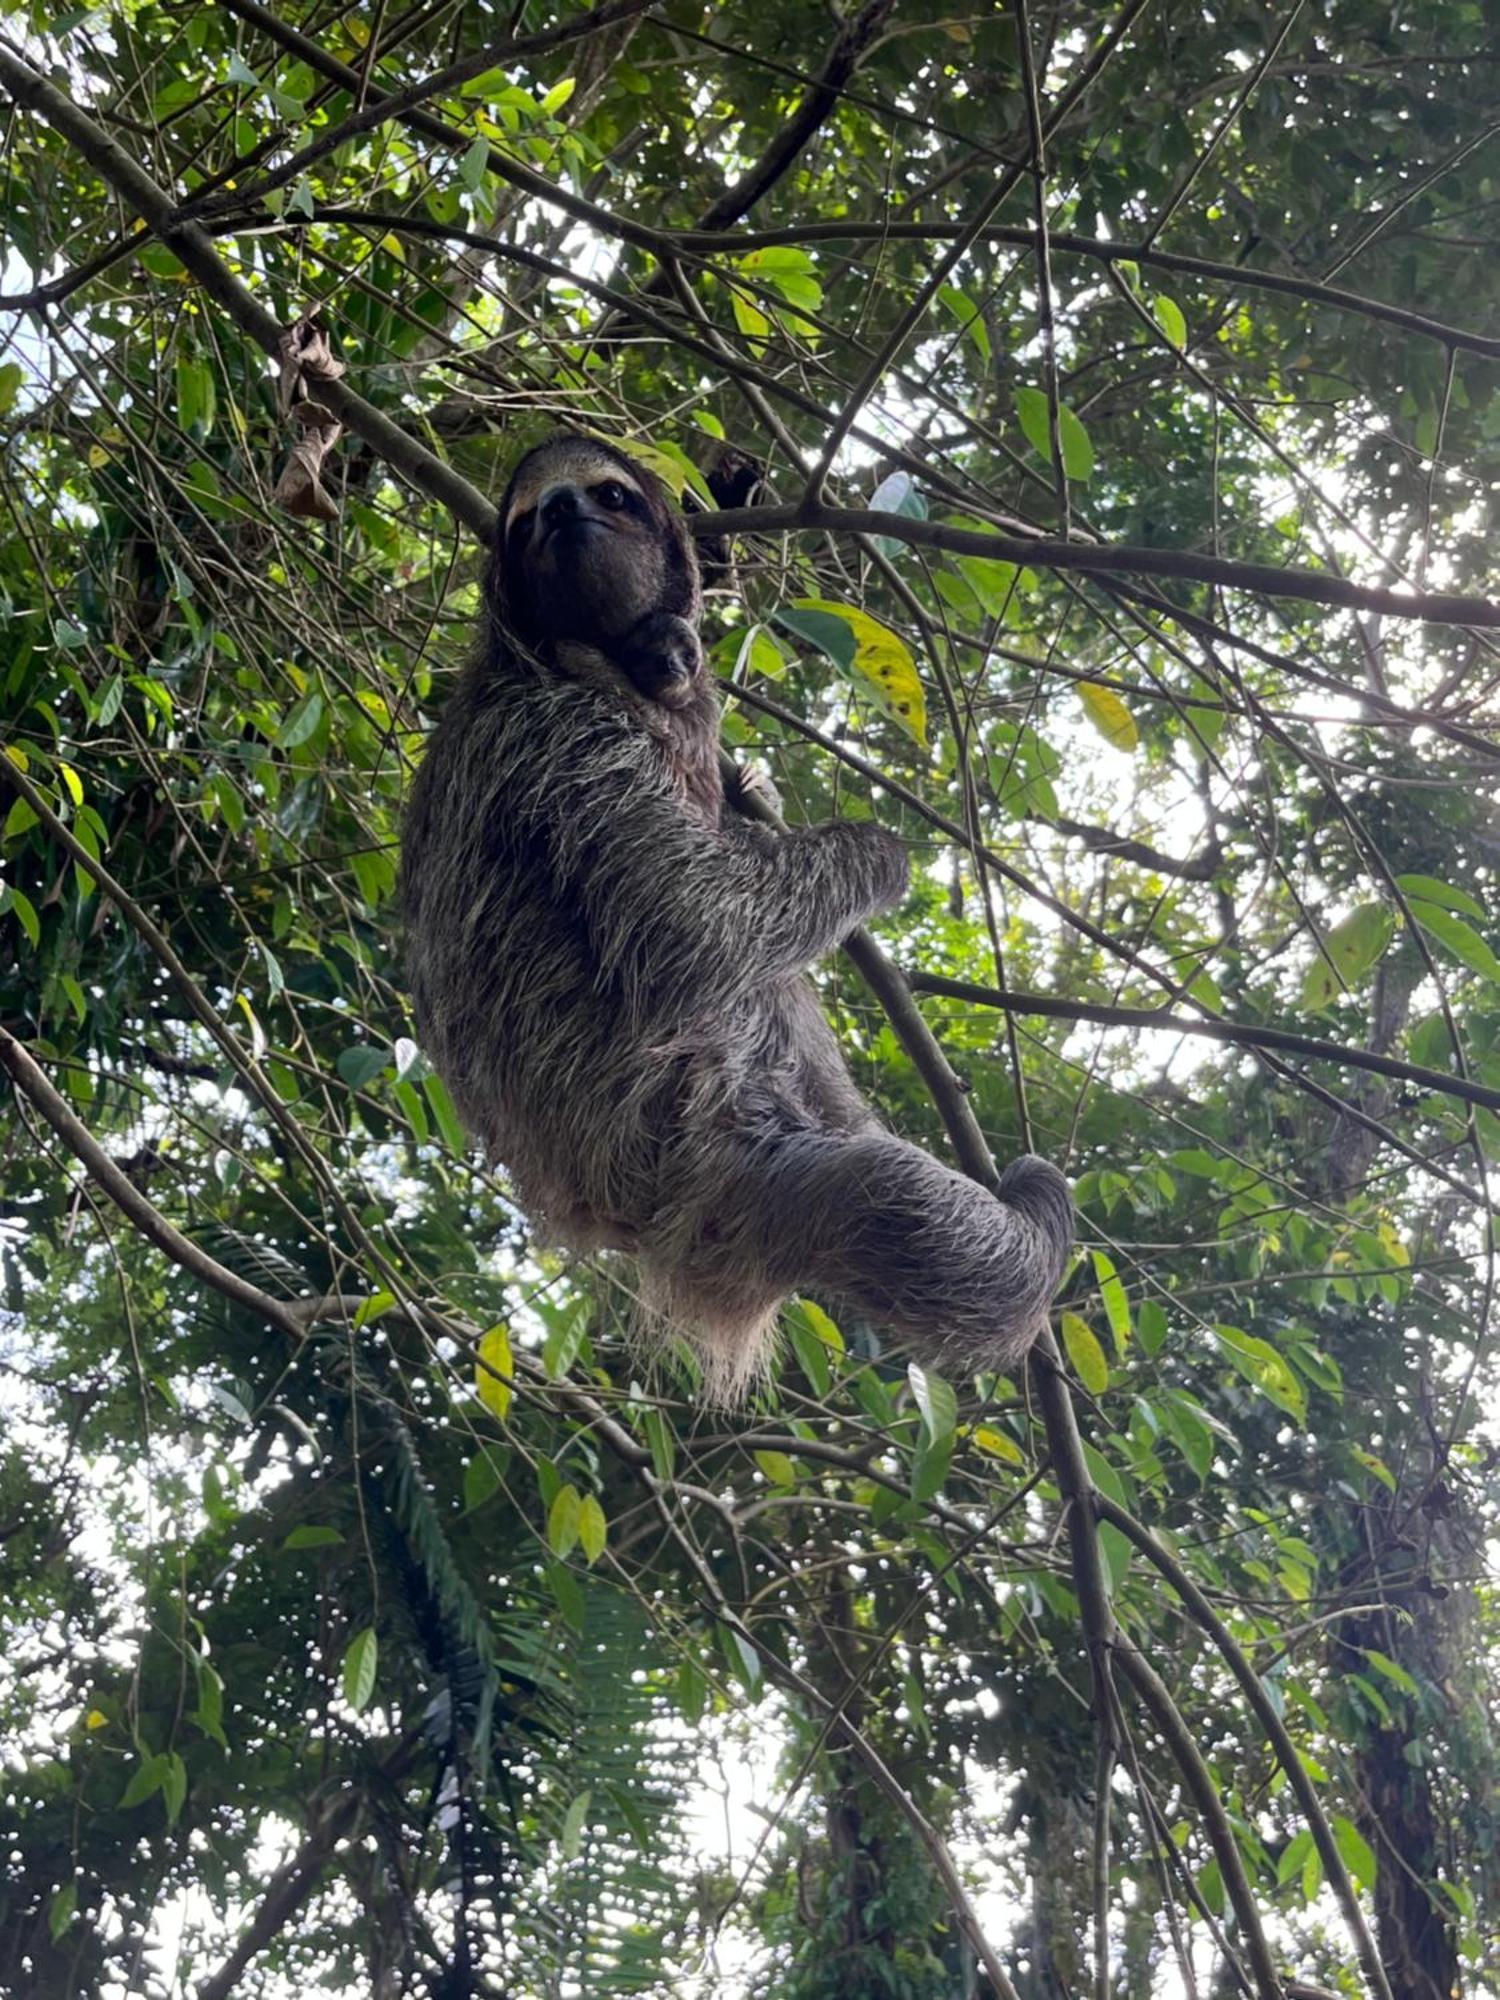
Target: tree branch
{"x": 1239, "y": 1033}
{"x": 1198, "y": 1779}
{"x": 1266, "y": 579}
{"x": 24, "y": 1071}
{"x": 399, "y": 102}
{"x": 1253, "y": 1689}
{"x": 844, "y": 56}
{"x": 190, "y": 242}
{"x": 1242, "y": 277}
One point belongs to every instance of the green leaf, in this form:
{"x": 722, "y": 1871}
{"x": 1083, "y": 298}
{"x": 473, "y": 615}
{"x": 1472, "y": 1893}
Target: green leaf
{"x": 436, "y": 1093}
{"x": 1077, "y": 452}
{"x": 881, "y": 656}
{"x": 670, "y": 463}
{"x": 1292, "y": 1857}
{"x": 777, "y": 1467}
{"x": 174, "y": 1787}
{"x": 791, "y": 271}
{"x": 1427, "y": 889}
{"x": 474, "y": 165}
{"x": 493, "y": 1361}
{"x": 1269, "y": 1371}
{"x": 759, "y": 654}
{"x": 571, "y": 1838}
{"x": 483, "y": 1476}
{"x": 1456, "y": 938}
{"x": 1085, "y": 1353}
{"x": 359, "y": 1669}
{"x": 145, "y": 1783}
{"x": 660, "y": 1442}
{"x": 300, "y": 723}
{"x": 209, "y": 1714}
{"x": 1392, "y": 1671}
{"x": 1116, "y": 1301}
{"x": 593, "y": 1529}
{"x": 60, "y": 1910}
{"x": 1151, "y": 1325}
{"x": 1349, "y": 950}
{"x": 936, "y": 1400}
{"x": 969, "y": 317}
{"x": 929, "y": 1465}
{"x": 1189, "y": 1431}
{"x": 563, "y": 1520}
{"x": 1168, "y": 316}
{"x": 312, "y": 1535}
{"x": 1375, "y": 1465}
{"x": 811, "y": 1353}
{"x": 1109, "y": 715}
{"x": 1357, "y": 1854}
{"x": 567, "y": 1593}
{"x": 195, "y": 398}
{"x": 558, "y": 96}
{"x": 361, "y": 1064}
{"x": 23, "y": 909}
{"x": 372, "y": 1308}
{"x": 567, "y": 1329}
{"x": 20, "y": 819}
{"x": 749, "y": 318}
{"x": 825, "y": 1328}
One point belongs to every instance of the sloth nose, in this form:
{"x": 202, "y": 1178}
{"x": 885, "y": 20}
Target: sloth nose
{"x": 559, "y": 504}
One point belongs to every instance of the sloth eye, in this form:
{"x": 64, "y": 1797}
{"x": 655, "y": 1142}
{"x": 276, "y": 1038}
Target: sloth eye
{"x": 611, "y": 494}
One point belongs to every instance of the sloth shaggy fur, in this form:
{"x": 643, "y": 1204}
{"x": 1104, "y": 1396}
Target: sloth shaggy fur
{"x": 608, "y": 967}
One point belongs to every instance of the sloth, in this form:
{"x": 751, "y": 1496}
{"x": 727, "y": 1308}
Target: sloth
{"x": 608, "y": 967}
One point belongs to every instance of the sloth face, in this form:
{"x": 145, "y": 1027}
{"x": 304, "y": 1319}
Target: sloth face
{"x": 585, "y": 548}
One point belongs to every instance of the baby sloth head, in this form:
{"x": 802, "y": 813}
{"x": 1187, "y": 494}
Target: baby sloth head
{"x": 589, "y": 545}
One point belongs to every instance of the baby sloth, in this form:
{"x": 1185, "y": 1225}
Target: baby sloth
{"x": 608, "y": 967}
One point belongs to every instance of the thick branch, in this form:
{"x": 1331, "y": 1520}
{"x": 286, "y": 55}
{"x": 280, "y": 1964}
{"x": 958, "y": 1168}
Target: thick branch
{"x": 1099, "y": 840}
{"x": 1240, "y": 1033}
{"x": 289, "y": 1888}
{"x": 1198, "y": 1779}
{"x": 138, "y": 1209}
{"x": 1254, "y": 1691}
{"x": 707, "y": 241}
{"x": 1269, "y": 580}
{"x": 1242, "y": 277}
{"x": 844, "y": 57}
{"x": 192, "y": 244}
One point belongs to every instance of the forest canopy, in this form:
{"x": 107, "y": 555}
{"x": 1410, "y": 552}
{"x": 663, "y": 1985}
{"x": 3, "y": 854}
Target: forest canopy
{"x": 1087, "y": 418}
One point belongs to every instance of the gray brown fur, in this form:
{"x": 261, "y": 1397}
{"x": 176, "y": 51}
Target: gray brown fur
{"x": 609, "y": 970}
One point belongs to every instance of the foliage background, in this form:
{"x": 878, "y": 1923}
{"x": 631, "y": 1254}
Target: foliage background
{"x": 353, "y": 1642}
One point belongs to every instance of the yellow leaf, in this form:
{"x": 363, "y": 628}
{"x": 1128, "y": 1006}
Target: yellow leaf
{"x": 96, "y": 1719}
{"x": 777, "y": 1467}
{"x": 1085, "y": 1353}
{"x": 885, "y": 660}
{"x": 494, "y": 1361}
{"x": 1109, "y": 715}
{"x": 593, "y": 1529}
{"x": 822, "y": 1326}
{"x": 565, "y": 1521}
{"x": 998, "y": 1445}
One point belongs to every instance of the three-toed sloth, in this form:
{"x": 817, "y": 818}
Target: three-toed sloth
{"x": 609, "y": 965}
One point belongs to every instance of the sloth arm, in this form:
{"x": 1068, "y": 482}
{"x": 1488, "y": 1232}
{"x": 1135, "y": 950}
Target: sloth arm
{"x": 680, "y": 913}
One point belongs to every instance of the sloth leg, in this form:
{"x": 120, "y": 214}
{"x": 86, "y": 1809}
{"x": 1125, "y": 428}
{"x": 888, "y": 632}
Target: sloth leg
{"x": 961, "y": 1275}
